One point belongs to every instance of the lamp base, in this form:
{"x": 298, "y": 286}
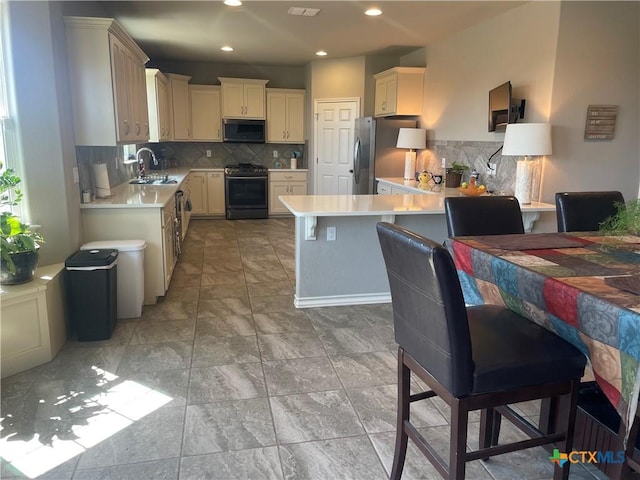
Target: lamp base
{"x": 410, "y": 165}
{"x": 524, "y": 181}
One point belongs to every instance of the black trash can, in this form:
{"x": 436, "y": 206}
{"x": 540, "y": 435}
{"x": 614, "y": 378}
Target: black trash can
{"x": 91, "y": 293}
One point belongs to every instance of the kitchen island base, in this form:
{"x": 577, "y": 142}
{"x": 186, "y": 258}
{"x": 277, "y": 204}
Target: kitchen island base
{"x": 338, "y": 257}
{"x": 350, "y": 269}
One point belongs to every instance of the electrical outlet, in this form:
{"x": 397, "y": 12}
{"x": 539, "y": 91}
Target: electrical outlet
{"x": 76, "y": 177}
{"x": 208, "y": 152}
{"x": 331, "y": 234}
{"x": 275, "y": 154}
{"x": 491, "y": 170}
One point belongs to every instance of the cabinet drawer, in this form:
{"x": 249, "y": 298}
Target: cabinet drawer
{"x": 288, "y": 176}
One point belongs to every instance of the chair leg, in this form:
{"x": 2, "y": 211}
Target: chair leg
{"x": 458, "y": 440}
{"x": 569, "y": 406}
{"x": 490, "y": 421}
{"x": 404, "y": 375}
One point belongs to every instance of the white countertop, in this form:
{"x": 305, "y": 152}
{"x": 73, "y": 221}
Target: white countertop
{"x": 126, "y": 195}
{"x": 365, "y": 205}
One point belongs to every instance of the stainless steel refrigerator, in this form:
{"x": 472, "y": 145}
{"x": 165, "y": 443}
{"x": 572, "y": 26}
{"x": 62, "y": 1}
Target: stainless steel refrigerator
{"x": 375, "y": 153}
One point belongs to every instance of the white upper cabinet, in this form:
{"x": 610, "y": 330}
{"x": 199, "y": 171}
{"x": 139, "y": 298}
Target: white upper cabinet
{"x": 285, "y": 115}
{"x": 206, "y": 123}
{"x": 107, "y": 80}
{"x": 243, "y": 98}
{"x": 159, "y": 101}
{"x": 180, "y": 106}
{"x": 399, "y": 91}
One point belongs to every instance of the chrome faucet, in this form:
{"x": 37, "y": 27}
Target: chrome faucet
{"x": 141, "y": 162}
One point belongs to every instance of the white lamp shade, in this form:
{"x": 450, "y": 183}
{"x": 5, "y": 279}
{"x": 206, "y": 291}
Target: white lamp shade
{"x": 527, "y": 139}
{"x": 412, "y": 138}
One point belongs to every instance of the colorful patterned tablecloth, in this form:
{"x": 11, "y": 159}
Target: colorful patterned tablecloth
{"x": 583, "y": 286}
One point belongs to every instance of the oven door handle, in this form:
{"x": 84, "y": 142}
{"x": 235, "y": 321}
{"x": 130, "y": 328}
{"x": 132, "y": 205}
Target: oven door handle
{"x": 247, "y": 178}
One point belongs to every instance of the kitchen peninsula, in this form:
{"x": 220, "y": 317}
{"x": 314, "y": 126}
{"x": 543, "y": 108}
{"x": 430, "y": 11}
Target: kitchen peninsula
{"x": 338, "y": 259}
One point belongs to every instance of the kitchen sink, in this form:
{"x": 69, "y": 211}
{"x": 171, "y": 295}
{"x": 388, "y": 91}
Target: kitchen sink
{"x": 153, "y": 181}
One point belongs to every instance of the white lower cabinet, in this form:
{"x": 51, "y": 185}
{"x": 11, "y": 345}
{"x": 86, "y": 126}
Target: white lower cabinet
{"x": 207, "y": 193}
{"x": 215, "y": 193}
{"x": 285, "y": 183}
{"x": 32, "y": 321}
{"x": 169, "y": 241}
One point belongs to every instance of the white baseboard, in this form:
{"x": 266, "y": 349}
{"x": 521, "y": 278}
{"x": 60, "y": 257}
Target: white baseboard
{"x": 341, "y": 300}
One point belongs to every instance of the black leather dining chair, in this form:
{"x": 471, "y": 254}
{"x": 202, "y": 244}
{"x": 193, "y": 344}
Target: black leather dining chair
{"x": 585, "y": 211}
{"x": 482, "y": 357}
{"x": 482, "y": 216}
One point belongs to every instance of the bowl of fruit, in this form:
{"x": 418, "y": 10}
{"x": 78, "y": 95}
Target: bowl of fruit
{"x": 471, "y": 189}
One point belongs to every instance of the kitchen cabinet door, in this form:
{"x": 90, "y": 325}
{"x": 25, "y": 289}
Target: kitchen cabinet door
{"x": 206, "y": 120}
{"x": 168, "y": 241}
{"x": 243, "y": 98}
{"x": 399, "y": 91}
{"x": 198, "y": 187}
{"x": 285, "y": 183}
{"x": 285, "y": 115}
{"x": 138, "y": 99}
{"x": 119, "y": 76}
{"x": 295, "y": 118}
{"x": 215, "y": 193}
{"x": 107, "y": 83}
{"x": 180, "y": 106}
{"x": 158, "y": 101}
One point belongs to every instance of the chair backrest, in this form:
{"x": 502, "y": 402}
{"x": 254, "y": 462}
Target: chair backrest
{"x": 585, "y": 211}
{"x": 429, "y": 315}
{"x": 483, "y": 216}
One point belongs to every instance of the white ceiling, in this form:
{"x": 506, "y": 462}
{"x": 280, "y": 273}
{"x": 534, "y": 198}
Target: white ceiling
{"x": 262, "y": 33}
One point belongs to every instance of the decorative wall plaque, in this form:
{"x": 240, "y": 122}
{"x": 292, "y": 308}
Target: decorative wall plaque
{"x": 601, "y": 122}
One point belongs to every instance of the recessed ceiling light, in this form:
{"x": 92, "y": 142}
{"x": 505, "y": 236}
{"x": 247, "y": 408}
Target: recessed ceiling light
{"x": 232, "y": 3}
{"x": 321, "y": 53}
{"x": 226, "y": 48}
{"x": 373, "y": 12}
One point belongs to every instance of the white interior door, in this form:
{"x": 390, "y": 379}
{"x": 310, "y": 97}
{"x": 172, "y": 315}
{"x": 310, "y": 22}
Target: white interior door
{"x": 334, "y": 137}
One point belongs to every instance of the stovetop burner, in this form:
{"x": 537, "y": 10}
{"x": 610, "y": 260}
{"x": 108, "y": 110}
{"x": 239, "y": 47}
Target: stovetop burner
{"x": 246, "y": 169}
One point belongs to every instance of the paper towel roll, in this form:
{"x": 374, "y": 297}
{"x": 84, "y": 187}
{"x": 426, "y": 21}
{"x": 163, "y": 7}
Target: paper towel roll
{"x": 524, "y": 181}
{"x": 294, "y": 163}
{"x": 410, "y": 166}
{"x": 101, "y": 179}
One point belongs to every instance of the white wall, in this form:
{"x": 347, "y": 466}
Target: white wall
{"x": 561, "y": 57}
{"x": 601, "y": 68}
{"x": 44, "y": 137}
{"x": 517, "y": 46}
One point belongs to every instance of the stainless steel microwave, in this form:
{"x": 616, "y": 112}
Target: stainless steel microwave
{"x": 243, "y": 131}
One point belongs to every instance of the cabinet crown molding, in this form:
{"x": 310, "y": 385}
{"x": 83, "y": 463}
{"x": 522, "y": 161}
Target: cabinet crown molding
{"x": 108, "y": 25}
{"x": 400, "y": 70}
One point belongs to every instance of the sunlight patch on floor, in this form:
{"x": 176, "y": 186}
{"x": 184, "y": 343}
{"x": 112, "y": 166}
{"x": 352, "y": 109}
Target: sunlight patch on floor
{"x": 123, "y": 402}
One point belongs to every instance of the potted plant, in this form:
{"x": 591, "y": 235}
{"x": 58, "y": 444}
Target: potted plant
{"x": 454, "y": 174}
{"x": 18, "y": 243}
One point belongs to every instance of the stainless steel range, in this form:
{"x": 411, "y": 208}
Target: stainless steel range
{"x": 246, "y": 191}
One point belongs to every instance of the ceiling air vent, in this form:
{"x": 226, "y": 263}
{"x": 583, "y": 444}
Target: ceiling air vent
{"x": 305, "y": 12}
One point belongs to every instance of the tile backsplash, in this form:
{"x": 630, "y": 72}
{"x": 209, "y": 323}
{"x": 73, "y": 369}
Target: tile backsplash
{"x": 475, "y": 155}
{"x": 194, "y": 155}
{"x": 184, "y": 154}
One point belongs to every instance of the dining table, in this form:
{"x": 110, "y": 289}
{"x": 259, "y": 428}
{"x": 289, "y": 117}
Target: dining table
{"x": 584, "y": 286}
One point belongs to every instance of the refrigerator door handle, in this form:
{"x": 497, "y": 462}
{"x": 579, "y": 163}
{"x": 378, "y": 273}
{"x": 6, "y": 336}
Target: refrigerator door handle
{"x": 356, "y": 161}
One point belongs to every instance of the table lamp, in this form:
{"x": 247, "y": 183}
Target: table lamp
{"x": 411, "y": 138}
{"x": 528, "y": 140}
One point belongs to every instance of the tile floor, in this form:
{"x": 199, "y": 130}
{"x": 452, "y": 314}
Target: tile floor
{"x": 225, "y": 379}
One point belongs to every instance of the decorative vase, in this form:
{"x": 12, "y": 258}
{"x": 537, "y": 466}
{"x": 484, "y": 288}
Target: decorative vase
{"x": 25, "y": 268}
{"x": 453, "y": 178}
